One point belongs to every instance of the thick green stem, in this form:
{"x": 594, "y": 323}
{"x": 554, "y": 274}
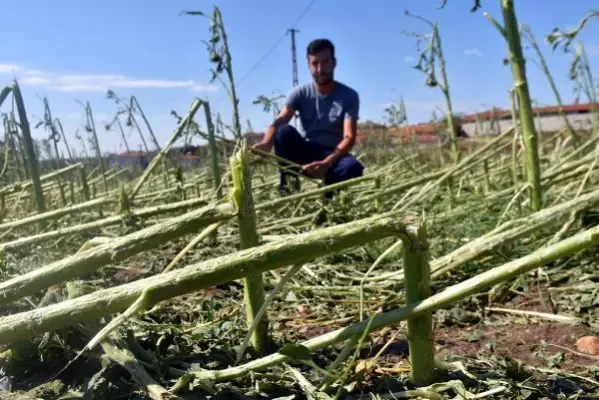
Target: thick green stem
{"x": 17, "y": 187}
{"x": 545, "y": 68}
{"x": 90, "y": 226}
{"x": 418, "y": 288}
{"x": 451, "y": 126}
{"x": 163, "y": 153}
{"x": 213, "y": 152}
{"x": 135, "y": 105}
{"x": 116, "y": 250}
{"x": 58, "y": 126}
{"x": 529, "y": 134}
{"x": 588, "y": 82}
{"x": 120, "y": 125}
{"x": 464, "y": 164}
{"x": 450, "y": 295}
{"x": 241, "y": 196}
{"x": 4, "y": 94}
{"x": 84, "y": 185}
{"x": 56, "y": 214}
{"x": 92, "y": 126}
{"x": 298, "y": 249}
{"x": 30, "y": 150}
{"x": 515, "y": 141}
{"x": 229, "y": 68}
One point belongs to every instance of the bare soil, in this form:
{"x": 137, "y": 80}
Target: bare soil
{"x": 532, "y": 344}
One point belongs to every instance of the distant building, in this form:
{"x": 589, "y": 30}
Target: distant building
{"x": 181, "y": 156}
{"x": 547, "y": 119}
{"x": 422, "y": 134}
{"x": 491, "y": 122}
{"x": 128, "y": 159}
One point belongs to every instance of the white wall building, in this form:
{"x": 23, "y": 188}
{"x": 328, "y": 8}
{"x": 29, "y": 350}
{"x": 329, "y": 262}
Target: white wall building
{"x": 547, "y": 119}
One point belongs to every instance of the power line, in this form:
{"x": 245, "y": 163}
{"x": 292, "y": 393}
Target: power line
{"x": 253, "y": 67}
{"x": 274, "y": 46}
{"x": 302, "y": 15}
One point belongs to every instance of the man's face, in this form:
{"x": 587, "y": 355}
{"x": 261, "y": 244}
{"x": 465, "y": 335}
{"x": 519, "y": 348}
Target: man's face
{"x": 322, "y": 65}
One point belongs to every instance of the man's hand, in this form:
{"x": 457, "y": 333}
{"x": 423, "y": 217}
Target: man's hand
{"x": 264, "y": 146}
{"x": 268, "y": 141}
{"x": 316, "y": 169}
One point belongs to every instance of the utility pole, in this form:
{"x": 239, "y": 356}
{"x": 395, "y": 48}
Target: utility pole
{"x": 293, "y": 57}
{"x": 295, "y": 79}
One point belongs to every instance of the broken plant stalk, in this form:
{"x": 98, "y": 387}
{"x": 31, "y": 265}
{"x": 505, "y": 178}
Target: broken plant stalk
{"x": 241, "y": 196}
{"x": 298, "y": 249}
{"x": 418, "y": 288}
{"x": 115, "y": 250}
{"x": 450, "y": 295}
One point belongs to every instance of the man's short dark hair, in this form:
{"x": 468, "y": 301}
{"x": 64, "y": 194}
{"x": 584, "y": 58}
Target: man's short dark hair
{"x": 318, "y": 45}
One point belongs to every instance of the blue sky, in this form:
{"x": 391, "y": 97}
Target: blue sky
{"x": 73, "y": 50}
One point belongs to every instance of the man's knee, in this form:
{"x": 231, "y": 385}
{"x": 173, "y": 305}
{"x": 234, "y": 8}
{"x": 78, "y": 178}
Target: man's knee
{"x": 346, "y": 168}
{"x": 285, "y": 136}
{"x": 349, "y": 167}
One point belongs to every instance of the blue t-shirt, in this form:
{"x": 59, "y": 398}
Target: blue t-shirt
{"x": 321, "y": 115}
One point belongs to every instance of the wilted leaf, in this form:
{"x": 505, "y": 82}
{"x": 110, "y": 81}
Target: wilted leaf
{"x": 215, "y": 38}
{"x": 431, "y": 81}
{"x": 214, "y": 57}
{"x": 365, "y": 366}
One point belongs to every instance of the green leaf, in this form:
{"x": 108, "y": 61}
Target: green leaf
{"x": 214, "y": 57}
{"x": 296, "y": 352}
{"x": 200, "y": 13}
{"x": 215, "y": 38}
{"x": 201, "y": 332}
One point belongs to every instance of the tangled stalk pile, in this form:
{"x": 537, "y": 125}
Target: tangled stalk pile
{"x": 410, "y": 282}
{"x": 128, "y": 285}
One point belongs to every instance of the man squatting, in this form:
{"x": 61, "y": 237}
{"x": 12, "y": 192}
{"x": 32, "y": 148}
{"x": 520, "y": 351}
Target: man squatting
{"x": 328, "y": 112}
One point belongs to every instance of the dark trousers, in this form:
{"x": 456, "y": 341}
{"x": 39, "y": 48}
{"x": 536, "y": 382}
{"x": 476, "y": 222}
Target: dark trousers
{"x": 289, "y": 144}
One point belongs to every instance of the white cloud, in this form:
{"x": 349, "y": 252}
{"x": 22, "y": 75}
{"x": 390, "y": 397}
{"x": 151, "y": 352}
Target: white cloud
{"x": 96, "y": 83}
{"x": 473, "y": 52}
{"x": 409, "y": 59}
{"x": 203, "y": 88}
{"x": 9, "y": 68}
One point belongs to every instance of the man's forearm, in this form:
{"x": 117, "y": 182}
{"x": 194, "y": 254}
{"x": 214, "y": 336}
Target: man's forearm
{"x": 340, "y": 151}
{"x": 269, "y": 133}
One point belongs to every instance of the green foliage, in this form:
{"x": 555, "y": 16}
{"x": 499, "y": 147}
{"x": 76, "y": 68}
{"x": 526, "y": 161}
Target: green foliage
{"x": 477, "y": 4}
{"x": 269, "y": 103}
{"x": 558, "y": 37}
{"x": 396, "y": 114}
{"x": 296, "y": 352}
{"x": 217, "y": 51}
{"x": 198, "y": 332}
